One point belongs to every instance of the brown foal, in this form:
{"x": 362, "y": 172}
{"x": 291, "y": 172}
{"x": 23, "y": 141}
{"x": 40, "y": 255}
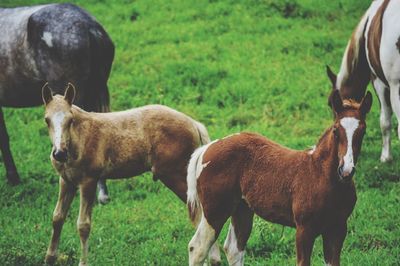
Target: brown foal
{"x": 310, "y": 190}
{"x": 89, "y": 146}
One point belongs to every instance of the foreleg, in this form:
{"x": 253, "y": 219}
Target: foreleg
{"x": 66, "y": 195}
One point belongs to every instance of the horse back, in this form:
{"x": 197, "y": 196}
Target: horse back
{"x": 66, "y": 40}
{"x": 58, "y": 43}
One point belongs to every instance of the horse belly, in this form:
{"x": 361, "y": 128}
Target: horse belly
{"x": 125, "y": 166}
{"x": 274, "y": 207}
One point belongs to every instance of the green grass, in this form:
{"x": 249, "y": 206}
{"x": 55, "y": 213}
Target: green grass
{"x": 255, "y": 65}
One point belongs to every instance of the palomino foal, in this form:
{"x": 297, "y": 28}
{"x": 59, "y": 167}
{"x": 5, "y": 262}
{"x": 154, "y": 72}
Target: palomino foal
{"x": 90, "y": 146}
{"x": 373, "y": 51}
{"x": 246, "y": 173}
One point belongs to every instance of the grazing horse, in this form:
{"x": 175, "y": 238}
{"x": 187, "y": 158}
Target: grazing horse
{"x": 373, "y": 53}
{"x": 311, "y": 190}
{"x": 58, "y": 43}
{"x": 90, "y": 146}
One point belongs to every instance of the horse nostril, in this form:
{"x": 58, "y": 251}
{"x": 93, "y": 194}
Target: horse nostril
{"x": 351, "y": 174}
{"x": 340, "y": 171}
{"x": 345, "y": 176}
{"x": 60, "y": 155}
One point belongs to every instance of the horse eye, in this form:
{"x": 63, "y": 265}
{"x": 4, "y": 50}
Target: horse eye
{"x": 335, "y": 132}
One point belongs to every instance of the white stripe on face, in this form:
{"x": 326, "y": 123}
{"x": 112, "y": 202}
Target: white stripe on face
{"x": 350, "y": 124}
{"x": 57, "y": 121}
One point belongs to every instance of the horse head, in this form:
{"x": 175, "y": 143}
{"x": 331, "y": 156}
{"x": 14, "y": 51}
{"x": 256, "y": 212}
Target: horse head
{"x": 349, "y": 129}
{"x": 59, "y": 118}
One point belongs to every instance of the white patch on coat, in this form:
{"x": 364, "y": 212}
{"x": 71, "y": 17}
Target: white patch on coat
{"x": 371, "y": 12}
{"x": 312, "y": 150}
{"x": 350, "y": 124}
{"x": 57, "y": 121}
{"x": 48, "y": 38}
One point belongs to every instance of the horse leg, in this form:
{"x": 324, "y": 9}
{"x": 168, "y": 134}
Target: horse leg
{"x": 201, "y": 242}
{"x": 178, "y": 185}
{"x": 11, "y": 169}
{"x": 87, "y": 198}
{"x": 305, "y": 238}
{"x": 65, "y": 197}
{"x": 395, "y": 100}
{"x": 238, "y": 234}
{"x": 333, "y": 239}
{"x": 385, "y": 117}
{"x": 103, "y": 197}
{"x": 214, "y": 256}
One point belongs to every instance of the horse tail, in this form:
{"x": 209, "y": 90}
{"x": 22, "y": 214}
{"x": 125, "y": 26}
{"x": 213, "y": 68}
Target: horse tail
{"x": 102, "y": 48}
{"x": 194, "y": 170}
{"x": 203, "y": 133}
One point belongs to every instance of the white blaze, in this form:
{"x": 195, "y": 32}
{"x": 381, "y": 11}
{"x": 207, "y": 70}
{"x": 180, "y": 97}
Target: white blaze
{"x": 350, "y": 124}
{"x": 57, "y": 121}
{"x": 48, "y": 38}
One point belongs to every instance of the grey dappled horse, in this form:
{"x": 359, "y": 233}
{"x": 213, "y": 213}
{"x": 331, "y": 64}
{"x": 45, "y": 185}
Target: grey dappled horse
{"x": 55, "y": 43}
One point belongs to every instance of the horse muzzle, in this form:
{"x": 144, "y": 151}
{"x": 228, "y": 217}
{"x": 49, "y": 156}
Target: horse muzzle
{"x": 345, "y": 176}
{"x": 60, "y": 155}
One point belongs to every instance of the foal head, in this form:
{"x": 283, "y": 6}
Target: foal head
{"x": 59, "y": 118}
{"x": 348, "y": 129}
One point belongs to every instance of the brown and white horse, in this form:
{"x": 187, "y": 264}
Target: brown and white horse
{"x": 89, "y": 146}
{"x": 246, "y": 173}
{"x": 374, "y": 52}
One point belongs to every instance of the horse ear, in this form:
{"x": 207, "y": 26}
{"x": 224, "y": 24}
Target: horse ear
{"x": 69, "y": 94}
{"x": 47, "y": 94}
{"x": 336, "y": 102}
{"x": 331, "y": 75}
{"x": 366, "y": 103}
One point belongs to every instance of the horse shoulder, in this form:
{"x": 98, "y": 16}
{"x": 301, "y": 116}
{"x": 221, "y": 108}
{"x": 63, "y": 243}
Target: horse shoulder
{"x": 390, "y": 42}
{"x": 373, "y": 36}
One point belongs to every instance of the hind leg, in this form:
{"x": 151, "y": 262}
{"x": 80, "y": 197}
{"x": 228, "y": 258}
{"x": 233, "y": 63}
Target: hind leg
{"x": 214, "y": 256}
{"x": 238, "y": 234}
{"x": 201, "y": 242}
{"x": 102, "y": 197}
{"x": 395, "y": 100}
{"x": 11, "y": 169}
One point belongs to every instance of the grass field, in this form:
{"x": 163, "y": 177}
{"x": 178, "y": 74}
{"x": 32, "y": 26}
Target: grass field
{"x": 254, "y": 65}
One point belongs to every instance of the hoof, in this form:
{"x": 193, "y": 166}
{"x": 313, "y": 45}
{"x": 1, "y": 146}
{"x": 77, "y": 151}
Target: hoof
{"x": 215, "y": 263}
{"x": 103, "y": 198}
{"x": 212, "y": 262}
{"x": 13, "y": 178}
{"x": 386, "y": 159}
{"x": 50, "y": 259}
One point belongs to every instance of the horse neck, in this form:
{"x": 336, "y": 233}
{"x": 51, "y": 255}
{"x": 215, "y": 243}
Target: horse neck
{"x": 355, "y": 73}
{"x": 325, "y": 154}
{"x": 79, "y": 133}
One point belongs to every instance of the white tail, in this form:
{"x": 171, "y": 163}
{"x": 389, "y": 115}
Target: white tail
{"x": 203, "y": 134}
{"x": 194, "y": 170}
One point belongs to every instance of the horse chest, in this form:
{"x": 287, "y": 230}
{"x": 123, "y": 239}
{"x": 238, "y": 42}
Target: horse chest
{"x": 324, "y": 203}
{"x": 69, "y": 173}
